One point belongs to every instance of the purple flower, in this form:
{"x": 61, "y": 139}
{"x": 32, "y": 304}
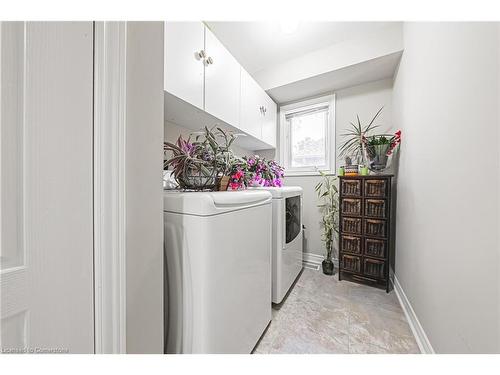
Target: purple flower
{"x": 277, "y": 182}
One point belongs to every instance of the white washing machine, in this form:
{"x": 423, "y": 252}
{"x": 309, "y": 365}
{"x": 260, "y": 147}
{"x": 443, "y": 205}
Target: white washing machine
{"x": 287, "y": 238}
{"x": 218, "y": 270}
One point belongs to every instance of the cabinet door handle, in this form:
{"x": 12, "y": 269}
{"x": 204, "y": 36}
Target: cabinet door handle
{"x": 210, "y": 61}
{"x": 201, "y": 54}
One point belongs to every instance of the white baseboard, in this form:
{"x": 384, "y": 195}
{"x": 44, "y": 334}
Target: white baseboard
{"x": 312, "y": 258}
{"x": 417, "y": 329}
{"x": 315, "y": 258}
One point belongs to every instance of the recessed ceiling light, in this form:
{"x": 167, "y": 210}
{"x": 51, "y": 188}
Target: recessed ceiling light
{"x": 289, "y": 27}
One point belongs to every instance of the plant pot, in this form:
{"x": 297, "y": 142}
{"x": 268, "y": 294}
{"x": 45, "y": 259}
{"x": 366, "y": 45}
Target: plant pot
{"x": 197, "y": 179}
{"x": 327, "y": 265}
{"x": 197, "y": 182}
{"x": 377, "y": 157}
{"x": 224, "y": 183}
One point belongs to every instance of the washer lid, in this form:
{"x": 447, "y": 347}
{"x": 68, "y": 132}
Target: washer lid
{"x": 283, "y": 192}
{"x": 214, "y": 202}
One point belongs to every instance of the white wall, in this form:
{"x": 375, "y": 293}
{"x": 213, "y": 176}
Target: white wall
{"x": 144, "y": 193}
{"x": 172, "y": 132}
{"x": 445, "y": 98}
{"x": 383, "y": 42}
{"x": 364, "y": 100}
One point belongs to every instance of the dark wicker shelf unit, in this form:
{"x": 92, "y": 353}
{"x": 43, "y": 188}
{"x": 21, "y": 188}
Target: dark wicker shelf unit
{"x": 366, "y": 241}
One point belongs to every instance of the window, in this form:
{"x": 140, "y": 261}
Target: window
{"x": 307, "y": 133}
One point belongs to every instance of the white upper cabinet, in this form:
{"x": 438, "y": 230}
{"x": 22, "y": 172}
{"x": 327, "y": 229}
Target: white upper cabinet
{"x": 201, "y": 72}
{"x": 258, "y": 111}
{"x": 251, "y": 105}
{"x": 269, "y": 128}
{"x": 184, "y": 62}
{"x": 222, "y": 81}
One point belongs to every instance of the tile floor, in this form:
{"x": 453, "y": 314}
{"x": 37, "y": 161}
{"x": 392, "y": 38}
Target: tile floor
{"x": 323, "y": 315}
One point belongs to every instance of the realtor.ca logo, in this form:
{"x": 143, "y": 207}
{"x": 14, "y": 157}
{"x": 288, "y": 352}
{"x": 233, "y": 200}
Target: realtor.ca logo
{"x": 34, "y": 350}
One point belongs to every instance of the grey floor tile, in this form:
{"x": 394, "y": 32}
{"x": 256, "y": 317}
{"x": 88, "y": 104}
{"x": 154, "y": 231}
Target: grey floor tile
{"x": 323, "y": 315}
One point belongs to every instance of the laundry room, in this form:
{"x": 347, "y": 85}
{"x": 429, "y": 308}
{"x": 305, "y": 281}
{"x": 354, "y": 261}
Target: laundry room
{"x": 201, "y": 185}
{"x": 282, "y": 139}
{"x": 309, "y": 128}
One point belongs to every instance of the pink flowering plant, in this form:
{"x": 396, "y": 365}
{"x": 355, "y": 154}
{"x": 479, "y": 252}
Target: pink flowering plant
{"x": 237, "y": 180}
{"x": 255, "y": 171}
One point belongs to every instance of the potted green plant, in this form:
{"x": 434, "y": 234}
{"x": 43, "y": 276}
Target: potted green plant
{"x": 328, "y": 196}
{"x": 200, "y": 164}
{"x": 379, "y": 148}
{"x": 354, "y": 139}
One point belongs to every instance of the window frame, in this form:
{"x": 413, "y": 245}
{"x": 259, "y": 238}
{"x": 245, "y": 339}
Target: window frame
{"x": 285, "y": 136}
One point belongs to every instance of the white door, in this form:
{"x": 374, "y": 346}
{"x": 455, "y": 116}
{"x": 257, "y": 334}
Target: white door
{"x": 269, "y": 123}
{"x": 251, "y": 116}
{"x": 184, "y": 69}
{"x": 222, "y": 81}
{"x": 46, "y": 254}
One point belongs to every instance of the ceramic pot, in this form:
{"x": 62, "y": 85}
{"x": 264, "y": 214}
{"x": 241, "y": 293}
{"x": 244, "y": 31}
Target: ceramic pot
{"x": 327, "y": 265}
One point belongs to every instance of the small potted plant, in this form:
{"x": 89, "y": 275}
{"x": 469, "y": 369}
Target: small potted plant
{"x": 379, "y": 148}
{"x": 329, "y": 205}
{"x": 201, "y": 164}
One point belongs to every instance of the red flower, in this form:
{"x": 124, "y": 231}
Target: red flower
{"x": 398, "y": 134}
{"x": 237, "y": 176}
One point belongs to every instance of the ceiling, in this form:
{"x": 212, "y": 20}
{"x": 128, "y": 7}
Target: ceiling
{"x": 261, "y": 45}
{"x": 368, "y": 71}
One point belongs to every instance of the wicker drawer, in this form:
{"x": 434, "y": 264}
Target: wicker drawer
{"x": 374, "y": 268}
{"x": 351, "y": 188}
{"x": 351, "y": 206}
{"x": 350, "y": 244}
{"x": 376, "y": 188}
{"x": 351, "y": 225}
{"x": 375, "y": 247}
{"x": 376, "y": 208}
{"x": 375, "y": 228}
{"x": 351, "y": 263}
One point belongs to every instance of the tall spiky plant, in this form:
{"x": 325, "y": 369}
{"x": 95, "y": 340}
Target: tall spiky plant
{"x": 354, "y": 138}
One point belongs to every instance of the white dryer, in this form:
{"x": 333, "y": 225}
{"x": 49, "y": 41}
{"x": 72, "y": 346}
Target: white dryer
{"x": 218, "y": 270}
{"x": 287, "y": 238}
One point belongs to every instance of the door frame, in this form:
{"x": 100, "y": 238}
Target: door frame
{"x": 110, "y": 52}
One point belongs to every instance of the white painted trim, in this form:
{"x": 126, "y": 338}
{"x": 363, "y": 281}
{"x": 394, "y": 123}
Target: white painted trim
{"x": 418, "y": 331}
{"x": 109, "y": 186}
{"x": 312, "y": 258}
{"x": 331, "y": 137}
{"x": 315, "y": 258}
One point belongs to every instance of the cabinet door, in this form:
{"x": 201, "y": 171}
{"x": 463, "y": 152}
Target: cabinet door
{"x": 222, "y": 81}
{"x": 184, "y": 68}
{"x": 251, "y": 116}
{"x": 269, "y": 123}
